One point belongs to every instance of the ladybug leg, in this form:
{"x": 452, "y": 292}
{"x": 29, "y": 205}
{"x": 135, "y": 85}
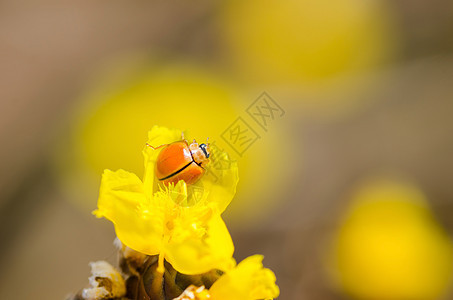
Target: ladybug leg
{"x": 155, "y": 148}
{"x": 183, "y": 138}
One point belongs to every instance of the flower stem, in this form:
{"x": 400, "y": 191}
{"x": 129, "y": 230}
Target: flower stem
{"x": 161, "y": 266}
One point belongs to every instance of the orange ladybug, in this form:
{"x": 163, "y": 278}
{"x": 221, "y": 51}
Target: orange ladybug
{"x": 181, "y": 161}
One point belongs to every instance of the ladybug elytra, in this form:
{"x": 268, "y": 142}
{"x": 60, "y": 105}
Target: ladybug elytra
{"x": 181, "y": 161}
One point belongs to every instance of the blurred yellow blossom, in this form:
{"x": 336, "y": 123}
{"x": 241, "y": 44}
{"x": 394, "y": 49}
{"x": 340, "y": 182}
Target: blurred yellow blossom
{"x": 247, "y": 281}
{"x": 181, "y": 224}
{"x": 289, "y": 42}
{"x": 390, "y": 246}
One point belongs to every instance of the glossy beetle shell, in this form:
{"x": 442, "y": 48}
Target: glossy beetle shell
{"x": 175, "y": 162}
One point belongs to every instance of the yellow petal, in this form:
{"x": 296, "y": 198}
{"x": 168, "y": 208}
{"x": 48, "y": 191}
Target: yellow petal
{"x": 122, "y": 200}
{"x": 220, "y": 180}
{"x": 199, "y": 254}
{"x": 248, "y": 281}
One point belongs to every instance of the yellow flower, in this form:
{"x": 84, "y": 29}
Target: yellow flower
{"x": 179, "y": 223}
{"x": 247, "y": 281}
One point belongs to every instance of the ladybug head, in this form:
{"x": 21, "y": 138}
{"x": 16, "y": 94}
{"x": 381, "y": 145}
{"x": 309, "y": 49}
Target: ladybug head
{"x": 205, "y": 150}
{"x": 200, "y": 153}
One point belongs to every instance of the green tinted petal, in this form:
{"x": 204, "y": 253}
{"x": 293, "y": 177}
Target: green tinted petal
{"x": 218, "y": 184}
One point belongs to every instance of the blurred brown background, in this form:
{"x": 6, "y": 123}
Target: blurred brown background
{"x": 50, "y": 54}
